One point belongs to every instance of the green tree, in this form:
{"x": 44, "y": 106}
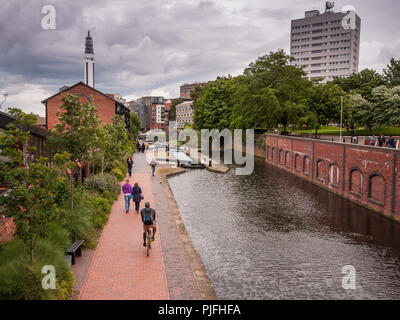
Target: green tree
{"x": 391, "y": 74}
{"x": 114, "y": 142}
{"x": 31, "y": 200}
{"x": 386, "y": 102}
{"x": 272, "y": 63}
{"x": 172, "y": 111}
{"x": 362, "y": 82}
{"x": 77, "y": 130}
{"x": 26, "y": 119}
{"x": 288, "y": 83}
{"x": 214, "y": 108}
{"x": 254, "y": 107}
{"x": 134, "y": 125}
{"x": 324, "y": 103}
{"x": 364, "y": 112}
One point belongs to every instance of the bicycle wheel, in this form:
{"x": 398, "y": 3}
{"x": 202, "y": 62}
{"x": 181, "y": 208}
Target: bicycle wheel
{"x": 148, "y": 244}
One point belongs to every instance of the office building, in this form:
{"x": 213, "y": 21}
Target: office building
{"x": 184, "y": 114}
{"x": 326, "y": 45}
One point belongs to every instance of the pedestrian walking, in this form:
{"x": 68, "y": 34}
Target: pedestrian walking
{"x": 153, "y": 164}
{"x": 143, "y": 147}
{"x": 372, "y": 141}
{"x": 138, "y": 146}
{"x": 127, "y": 191}
{"x": 381, "y": 140}
{"x": 129, "y": 162}
{"x": 391, "y": 143}
{"x": 137, "y": 196}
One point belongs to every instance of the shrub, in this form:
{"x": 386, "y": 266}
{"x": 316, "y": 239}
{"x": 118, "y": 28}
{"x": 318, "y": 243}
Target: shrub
{"x": 111, "y": 197}
{"x": 62, "y": 191}
{"x": 104, "y": 182}
{"x": 101, "y": 210}
{"x": 22, "y": 280}
{"x": 118, "y": 174}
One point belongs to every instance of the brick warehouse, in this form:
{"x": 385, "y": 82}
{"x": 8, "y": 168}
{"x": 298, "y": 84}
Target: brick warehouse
{"x": 107, "y": 107}
{"x": 363, "y": 174}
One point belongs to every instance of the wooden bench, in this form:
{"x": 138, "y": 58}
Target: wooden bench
{"x": 75, "y": 250}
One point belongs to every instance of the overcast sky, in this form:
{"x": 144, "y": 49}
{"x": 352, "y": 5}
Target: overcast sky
{"x": 150, "y": 47}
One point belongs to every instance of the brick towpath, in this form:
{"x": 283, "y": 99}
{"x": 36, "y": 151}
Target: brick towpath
{"x": 120, "y": 268}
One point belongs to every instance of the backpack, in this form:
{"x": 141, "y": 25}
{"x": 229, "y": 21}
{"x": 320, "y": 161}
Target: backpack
{"x": 148, "y": 218}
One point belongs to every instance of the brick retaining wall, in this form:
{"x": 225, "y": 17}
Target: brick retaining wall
{"x": 363, "y": 174}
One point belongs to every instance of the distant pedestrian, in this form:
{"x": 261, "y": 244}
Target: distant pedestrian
{"x": 129, "y": 162}
{"x": 127, "y": 191}
{"x": 143, "y": 147}
{"x": 372, "y": 141}
{"x": 391, "y": 142}
{"x": 381, "y": 140}
{"x": 153, "y": 164}
{"x": 137, "y": 196}
{"x": 138, "y": 146}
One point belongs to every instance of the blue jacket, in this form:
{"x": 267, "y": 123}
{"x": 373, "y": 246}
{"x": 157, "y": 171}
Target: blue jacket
{"x": 136, "y": 192}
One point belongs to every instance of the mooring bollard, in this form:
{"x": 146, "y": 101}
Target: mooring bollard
{"x": 210, "y": 163}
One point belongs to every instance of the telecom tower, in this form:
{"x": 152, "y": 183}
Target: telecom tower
{"x": 89, "y": 61}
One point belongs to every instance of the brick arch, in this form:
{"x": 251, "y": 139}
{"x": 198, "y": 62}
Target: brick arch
{"x": 306, "y": 164}
{"x": 287, "y": 159}
{"x": 272, "y": 153}
{"x": 356, "y": 180}
{"x": 297, "y": 162}
{"x": 320, "y": 169}
{"x": 334, "y": 174}
{"x": 268, "y": 152}
{"x": 281, "y": 156}
{"x": 377, "y": 188}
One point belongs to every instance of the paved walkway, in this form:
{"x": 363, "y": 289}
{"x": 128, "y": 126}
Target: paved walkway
{"x": 120, "y": 268}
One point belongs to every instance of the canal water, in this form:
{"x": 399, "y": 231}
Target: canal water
{"x": 271, "y": 235}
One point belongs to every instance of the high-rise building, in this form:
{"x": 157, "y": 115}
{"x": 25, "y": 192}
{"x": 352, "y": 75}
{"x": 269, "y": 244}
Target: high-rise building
{"x": 326, "y": 45}
{"x": 89, "y": 62}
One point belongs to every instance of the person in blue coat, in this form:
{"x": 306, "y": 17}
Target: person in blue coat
{"x": 137, "y": 196}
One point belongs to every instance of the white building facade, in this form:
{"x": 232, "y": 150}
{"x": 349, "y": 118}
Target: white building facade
{"x": 326, "y": 45}
{"x": 184, "y": 114}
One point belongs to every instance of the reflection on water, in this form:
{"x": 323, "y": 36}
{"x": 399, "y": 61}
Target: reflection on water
{"x": 272, "y": 235}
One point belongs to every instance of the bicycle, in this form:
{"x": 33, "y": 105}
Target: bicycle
{"x": 148, "y": 239}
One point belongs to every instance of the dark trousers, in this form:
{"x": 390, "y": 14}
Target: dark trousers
{"x": 137, "y": 205}
{"x": 130, "y": 171}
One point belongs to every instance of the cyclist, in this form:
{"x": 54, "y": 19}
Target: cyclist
{"x": 148, "y": 218}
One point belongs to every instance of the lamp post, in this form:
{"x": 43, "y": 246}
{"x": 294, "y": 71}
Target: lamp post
{"x": 341, "y": 116}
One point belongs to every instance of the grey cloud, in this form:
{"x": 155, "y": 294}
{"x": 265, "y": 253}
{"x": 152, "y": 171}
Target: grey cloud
{"x": 143, "y": 45}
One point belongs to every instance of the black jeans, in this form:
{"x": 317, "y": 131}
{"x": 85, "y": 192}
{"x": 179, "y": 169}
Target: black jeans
{"x": 137, "y": 205}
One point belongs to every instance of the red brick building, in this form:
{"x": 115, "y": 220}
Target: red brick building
{"x": 187, "y": 88}
{"x": 107, "y": 106}
{"x": 155, "y": 117}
